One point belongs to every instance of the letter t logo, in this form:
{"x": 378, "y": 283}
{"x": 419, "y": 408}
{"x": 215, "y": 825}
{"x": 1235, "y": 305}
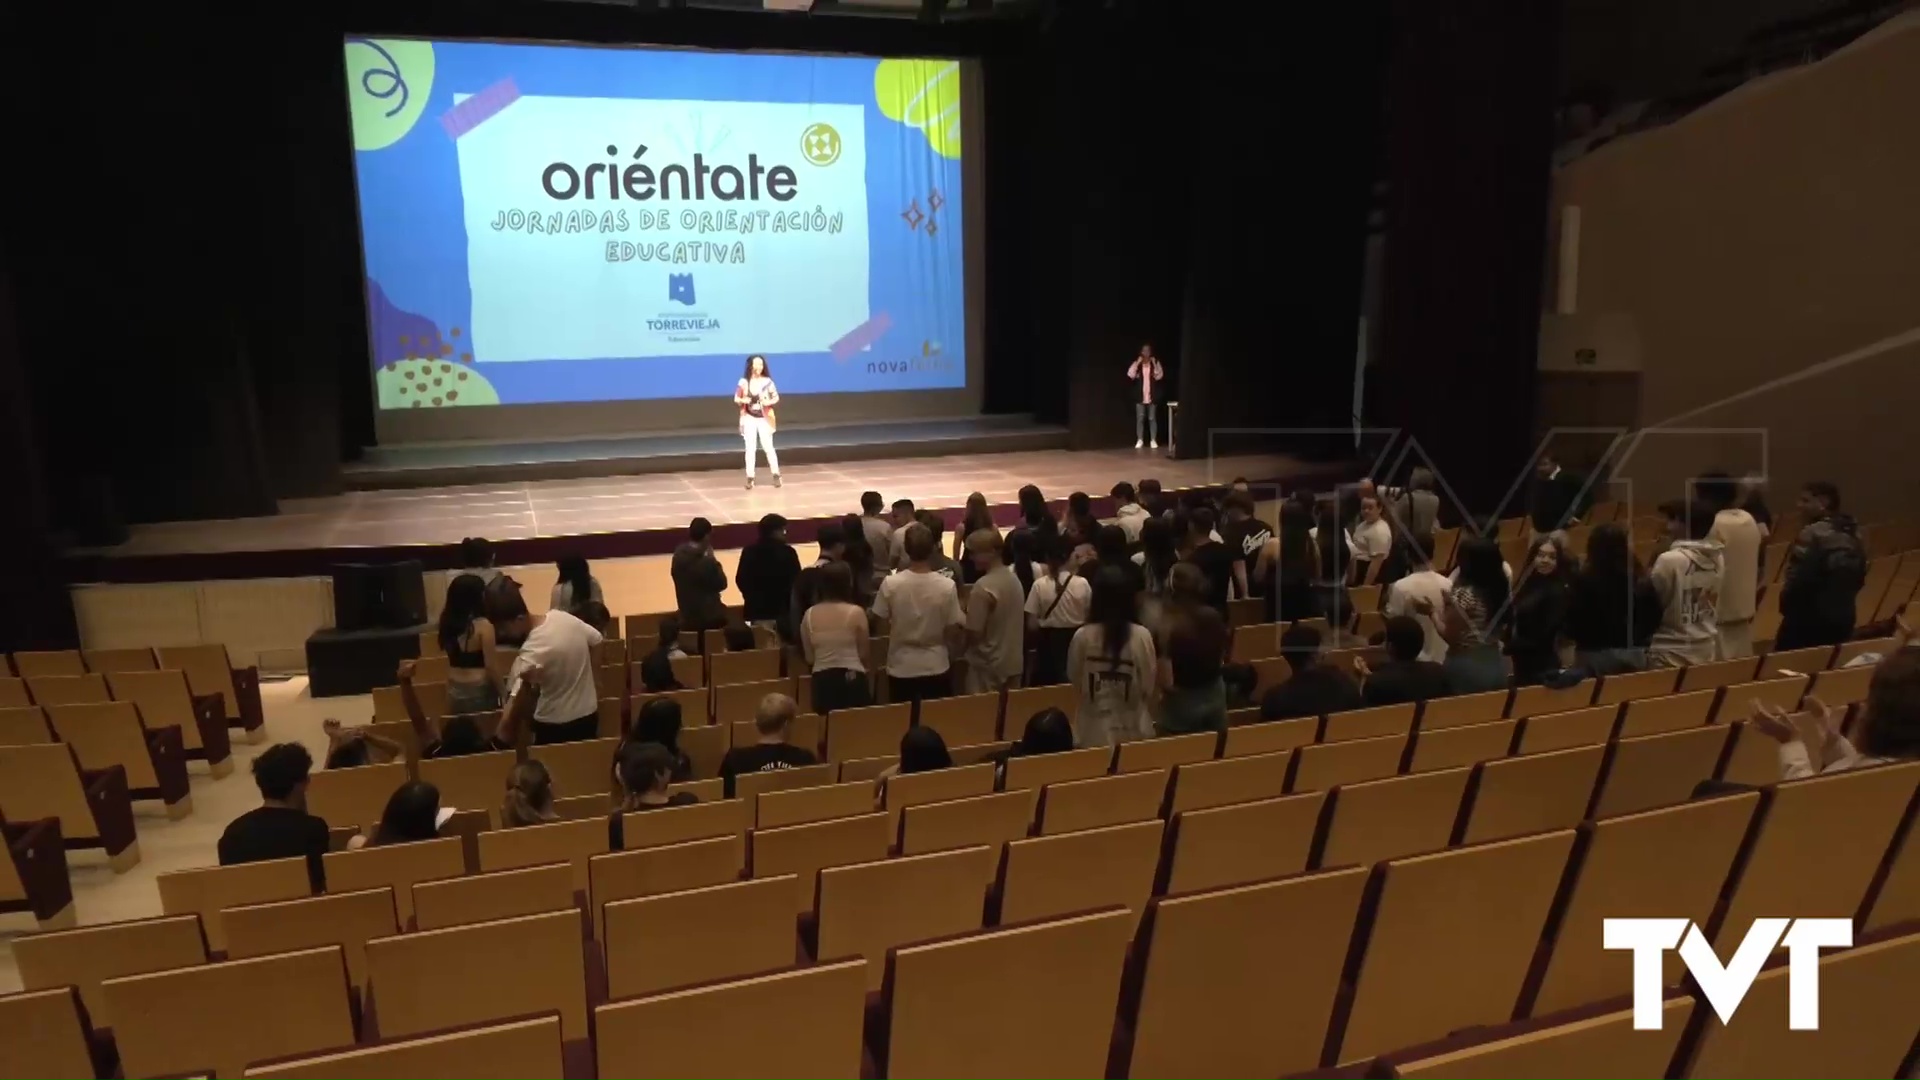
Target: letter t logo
{"x": 1649, "y": 939}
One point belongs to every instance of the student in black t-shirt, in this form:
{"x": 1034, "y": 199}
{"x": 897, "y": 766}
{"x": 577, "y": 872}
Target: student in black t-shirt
{"x": 457, "y": 736}
{"x": 1221, "y": 564}
{"x": 1314, "y": 688}
{"x": 1403, "y": 677}
{"x": 774, "y": 721}
{"x": 1245, "y": 534}
{"x": 280, "y": 827}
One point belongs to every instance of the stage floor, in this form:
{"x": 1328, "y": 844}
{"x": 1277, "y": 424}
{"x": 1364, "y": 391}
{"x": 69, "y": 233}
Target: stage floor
{"x": 634, "y": 504}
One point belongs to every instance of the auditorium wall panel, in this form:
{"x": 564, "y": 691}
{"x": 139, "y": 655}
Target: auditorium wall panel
{"x": 1762, "y": 247}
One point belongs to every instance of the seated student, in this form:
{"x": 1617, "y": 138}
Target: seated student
{"x": 659, "y": 722}
{"x": 739, "y": 637}
{"x": 1047, "y": 732}
{"x": 1240, "y": 680}
{"x": 280, "y": 827}
{"x": 921, "y": 750}
{"x": 1403, "y": 676}
{"x": 656, "y": 674}
{"x": 349, "y": 748}
{"x": 412, "y": 814}
{"x": 668, "y": 643}
{"x": 774, "y": 721}
{"x": 1315, "y": 688}
{"x": 529, "y": 798}
{"x": 457, "y": 736}
{"x": 642, "y": 771}
{"x": 1889, "y": 724}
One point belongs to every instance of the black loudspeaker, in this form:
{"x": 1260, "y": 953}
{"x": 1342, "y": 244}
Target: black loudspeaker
{"x": 383, "y": 596}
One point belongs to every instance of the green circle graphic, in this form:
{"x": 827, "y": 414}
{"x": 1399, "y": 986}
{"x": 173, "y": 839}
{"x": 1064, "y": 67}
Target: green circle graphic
{"x": 388, "y": 83}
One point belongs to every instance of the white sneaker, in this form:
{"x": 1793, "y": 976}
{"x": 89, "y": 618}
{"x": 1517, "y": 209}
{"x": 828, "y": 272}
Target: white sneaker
{"x": 1154, "y": 445}
{"x": 1137, "y": 444}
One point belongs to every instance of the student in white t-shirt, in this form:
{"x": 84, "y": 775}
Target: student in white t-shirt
{"x": 562, "y": 647}
{"x": 1056, "y": 607}
{"x": 1372, "y": 536}
{"x": 1112, "y": 664}
{"x": 1421, "y": 583}
{"x": 922, "y": 609}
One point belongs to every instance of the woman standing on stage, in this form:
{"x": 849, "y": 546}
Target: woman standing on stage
{"x": 756, "y": 396}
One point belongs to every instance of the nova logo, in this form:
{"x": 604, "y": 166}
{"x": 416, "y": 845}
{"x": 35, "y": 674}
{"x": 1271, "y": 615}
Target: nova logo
{"x": 680, "y": 287}
{"x": 1725, "y": 986}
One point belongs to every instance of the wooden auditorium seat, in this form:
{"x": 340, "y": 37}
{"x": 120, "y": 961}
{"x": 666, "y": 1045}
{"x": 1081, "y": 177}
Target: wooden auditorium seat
{"x": 1659, "y": 715}
{"x": 518, "y": 1050}
{"x": 1851, "y": 650}
{"x": 1841, "y": 686}
{"x": 624, "y": 875}
{"x": 399, "y": 865}
{"x": 870, "y": 731}
{"x": 58, "y": 662}
{"x": 13, "y": 693}
{"x": 1529, "y": 700}
{"x": 1464, "y": 709}
{"x": 1605, "y": 1045}
{"x": 737, "y": 702}
{"x": 33, "y": 875}
{"x": 1024, "y": 704}
{"x": 1254, "y": 641}
{"x": 695, "y": 936}
{"x": 1449, "y": 942}
{"x": 42, "y": 780}
{"x": 102, "y": 661}
{"x": 805, "y": 1022}
{"x": 1531, "y": 793}
{"x": 980, "y": 753}
{"x": 804, "y": 805}
{"x": 210, "y": 670}
{"x": 1371, "y": 723}
{"x": 1269, "y": 736}
{"x": 868, "y": 908}
{"x": 1718, "y": 674}
{"x": 578, "y": 768}
{"x": 1243, "y": 842}
{"x": 1208, "y": 1002}
{"x": 733, "y": 668}
{"x": 1052, "y": 876}
{"x": 937, "y": 785}
{"x": 1076, "y": 805}
{"x": 965, "y": 720}
{"x": 355, "y": 797}
{"x": 1203, "y": 784}
{"x": 46, "y": 1036}
{"x": 569, "y": 842}
{"x": 1737, "y": 702}
{"x": 502, "y": 970}
{"x": 801, "y": 851}
{"x": 705, "y": 748}
{"x": 163, "y": 701}
{"x": 1565, "y": 730}
{"x": 990, "y": 820}
{"x": 1897, "y": 898}
{"x": 24, "y": 725}
{"x": 86, "y": 956}
{"x": 1166, "y": 752}
{"x": 748, "y": 787}
{"x": 1034, "y": 773}
{"x": 502, "y": 894}
{"x": 1632, "y": 686}
{"x": 471, "y": 781}
{"x": 346, "y": 919}
{"x": 1035, "y": 1000}
{"x": 108, "y": 734}
{"x": 1377, "y": 820}
{"x": 1800, "y": 661}
{"x": 208, "y": 891}
{"x": 1658, "y": 770}
{"x": 228, "y": 1015}
{"x": 75, "y": 689}
{"x": 1327, "y": 765}
{"x": 679, "y": 824}
{"x": 1458, "y": 747}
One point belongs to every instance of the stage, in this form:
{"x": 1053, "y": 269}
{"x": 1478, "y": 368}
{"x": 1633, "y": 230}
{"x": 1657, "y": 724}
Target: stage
{"x": 605, "y": 514}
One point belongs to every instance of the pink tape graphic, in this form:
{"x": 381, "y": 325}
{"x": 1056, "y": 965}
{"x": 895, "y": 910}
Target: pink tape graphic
{"x": 479, "y": 108}
{"x": 862, "y": 336}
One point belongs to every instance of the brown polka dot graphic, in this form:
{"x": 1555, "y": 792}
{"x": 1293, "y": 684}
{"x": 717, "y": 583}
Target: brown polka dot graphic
{"x": 444, "y": 368}
{"x": 405, "y": 340}
{"x": 455, "y": 332}
{"x": 391, "y": 365}
{"x": 466, "y": 358}
{"x": 417, "y": 403}
{"x": 436, "y": 382}
{"x": 463, "y": 375}
{"x": 422, "y": 387}
{"x": 451, "y": 394}
{"x": 446, "y": 349}
{"x": 436, "y": 401}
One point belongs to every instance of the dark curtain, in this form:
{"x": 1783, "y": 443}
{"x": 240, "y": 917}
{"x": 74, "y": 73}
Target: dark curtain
{"x": 1470, "y": 107}
{"x": 34, "y": 610}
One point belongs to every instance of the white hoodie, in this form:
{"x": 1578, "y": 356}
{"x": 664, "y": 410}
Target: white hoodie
{"x": 1130, "y": 517}
{"x": 1687, "y": 577}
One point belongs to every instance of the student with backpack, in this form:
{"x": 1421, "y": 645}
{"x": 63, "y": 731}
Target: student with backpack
{"x": 1826, "y": 567}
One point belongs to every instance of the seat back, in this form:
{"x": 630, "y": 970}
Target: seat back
{"x": 1529, "y": 700}
{"x": 346, "y": 919}
{"x": 472, "y": 781}
{"x": 438, "y": 979}
{"x": 866, "y": 909}
{"x": 572, "y": 842}
{"x": 1199, "y": 785}
{"x": 528, "y": 1047}
{"x": 354, "y": 797}
{"x": 1046, "y": 994}
{"x": 208, "y": 671}
{"x": 1532, "y": 793}
{"x": 1841, "y": 686}
{"x": 1634, "y": 685}
{"x": 102, "y": 661}
{"x": 1208, "y": 997}
{"x": 705, "y": 748}
{"x": 61, "y": 662}
{"x": 990, "y": 820}
{"x": 801, "y": 805}
{"x": 1073, "y": 805}
{"x": 1850, "y": 650}
{"x": 228, "y": 1015}
{"x": 1794, "y": 863}
{"x": 800, "y": 851}
{"x": 162, "y": 699}
{"x": 209, "y": 891}
{"x": 24, "y": 725}
{"x": 1255, "y": 641}
{"x": 1457, "y": 747}
{"x": 937, "y": 785}
{"x": 578, "y": 768}
{"x": 679, "y": 824}
{"x": 964, "y": 720}
{"x": 1604, "y": 1045}
{"x": 87, "y": 956}
{"x": 1269, "y": 736}
{"x": 1369, "y": 723}
{"x": 1142, "y": 755}
{"x": 1023, "y": 704}
{"x": 104, "y": 734}
{"x": 13, "y": 692}
{"x": 1867, "y": 1025}
{"x": 1475, "y": 913}
{"x": 1898, "y": 898}
{"x": 1665, "y": 863}
{"x": 1327, "y": 765}
{"x": 1675, "y": 712}
{"x": 807, "y": 1022}
{"x": 623, "y": 875}
{"x": 754, "y": 665}
{"x": 1033, "y": 773}
{"x": 399, "y": 865}
{"x": 1717, "y": 674}
{"x": 659, "y": 942}
{"x": 76, "y": 689}
{"x": 502, "y": 894}
{"x": 1051, "y": 876}
{"x": 1244, "y": 842}
{"x": 748, "y": 787}
{"x": 45, "y": 1036}
{"x": 737, "y": 702}
{"x": 1805, "y": 661}
{"x": 40, "y": 781}
{"x": 872, "y": 731}
{"x": 1658, "y": 770}
{"x": 1377, "y": 820}
{"x": 1737, "y": 702}
{"x": 1464, "y": 709}
{"x": 1565, "y": 730}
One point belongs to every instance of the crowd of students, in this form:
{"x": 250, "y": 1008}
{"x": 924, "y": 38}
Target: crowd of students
{"x": 1132, "y": 613}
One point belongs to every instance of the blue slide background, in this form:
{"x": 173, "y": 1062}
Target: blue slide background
{"x": 415, "y": 246}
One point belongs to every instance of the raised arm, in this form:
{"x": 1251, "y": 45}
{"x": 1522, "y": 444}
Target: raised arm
{"x": 423, "y": 728}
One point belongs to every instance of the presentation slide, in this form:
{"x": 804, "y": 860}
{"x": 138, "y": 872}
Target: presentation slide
{"x": 546, "y": 223}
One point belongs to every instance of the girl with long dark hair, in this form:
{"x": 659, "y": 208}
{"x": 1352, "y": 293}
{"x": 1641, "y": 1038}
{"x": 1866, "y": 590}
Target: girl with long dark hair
{"x": 1476, "y": 611}
{"x": 1612, "y": 609}
{"x": 1540, "y": 609}
{"x": 977, "y": 516}
{"x": 475, "y": 681}
{"x": 576, "y": 586}
{"x": 1112, "y": 663}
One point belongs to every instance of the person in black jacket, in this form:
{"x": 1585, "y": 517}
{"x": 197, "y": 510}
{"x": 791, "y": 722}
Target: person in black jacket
{"x": 1540, "y": 610}
{"x": 1556, "y": 497}
{"x": 1403, "y": 677}
{"x": 698, "y": 581}
{"x": 1826, "y": 568}
{"x": 1315, "y": 688}
{"x": 768, "y": 569}
{"x": 1612, "y": 610}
